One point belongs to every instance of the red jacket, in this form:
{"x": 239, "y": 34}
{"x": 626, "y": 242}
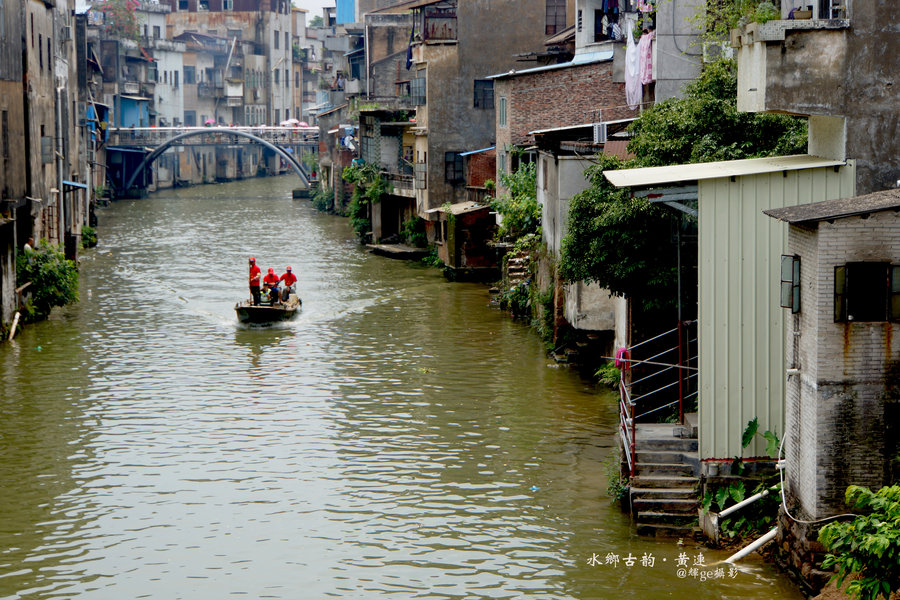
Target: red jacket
{"x": 289, "y": 278}
{"x": 270, "y": 279}
{"x": 254, "y": 276}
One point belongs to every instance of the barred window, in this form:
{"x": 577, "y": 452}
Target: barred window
{"x": 866, "y": 291}
{"x": 556, "y": 16}
{"x": 484, "y": 93}
{"x": 453, "y": 167}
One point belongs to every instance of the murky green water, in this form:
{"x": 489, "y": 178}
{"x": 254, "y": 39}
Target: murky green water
{"x": 401, "y": 438}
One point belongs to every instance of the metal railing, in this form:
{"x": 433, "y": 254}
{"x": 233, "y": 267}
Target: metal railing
{"x": 669, "y": 371}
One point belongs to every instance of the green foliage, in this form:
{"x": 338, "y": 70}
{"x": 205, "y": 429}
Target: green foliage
{"x": 413, "y": 232}
{"x": 432, "y": 259}
{"x": 297, "y": 53}
{"x": 750, "y": 520}
{"x": 773, "y": 443}
{"x": 609, "y": 375}
{"x": 369, "y": 186}
{"x": 518, "y": 207}
{"x": 706, "y": 126}
{"x": 54, "y": 280}
{"x": 616, "y": 483}
{"x": 88, "y": 237}
{"x": 323, "y": 198}
{"x": 317, "y": 21}
{"x": 490, "y": 185}
{"x": 867, "y": 546}
{"x": 722, "y": 16}
{"x": 619, "y": 242}
{"x": 517, "y": 299}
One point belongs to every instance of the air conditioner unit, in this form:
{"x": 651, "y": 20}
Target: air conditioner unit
{"x": 66, "y": 33}
{"x": 713, "y": 51}
{"x": 599, "y": 133}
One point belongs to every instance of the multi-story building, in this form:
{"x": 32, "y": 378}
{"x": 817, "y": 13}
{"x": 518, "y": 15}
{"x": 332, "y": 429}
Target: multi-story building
{"x": 456, "y": 46}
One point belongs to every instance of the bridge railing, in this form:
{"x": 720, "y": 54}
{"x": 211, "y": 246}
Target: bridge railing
{"x": 154, "y": 136}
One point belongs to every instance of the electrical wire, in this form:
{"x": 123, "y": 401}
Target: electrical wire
{"x": 780, "y": 468}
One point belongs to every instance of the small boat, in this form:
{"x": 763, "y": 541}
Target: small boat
{"x": 262, "y": 314}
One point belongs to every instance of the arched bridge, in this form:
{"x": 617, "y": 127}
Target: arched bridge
{"x": 163, "y": 138}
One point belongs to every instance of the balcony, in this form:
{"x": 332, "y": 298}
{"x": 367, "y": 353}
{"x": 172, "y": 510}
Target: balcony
{"x": 793, "y": 65}
{"x": 132, "y": 88}
{"x": 206, "y": 89}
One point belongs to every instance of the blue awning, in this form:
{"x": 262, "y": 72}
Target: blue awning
{"x": 476, "y": 151}
{"x": 75, "y": 184}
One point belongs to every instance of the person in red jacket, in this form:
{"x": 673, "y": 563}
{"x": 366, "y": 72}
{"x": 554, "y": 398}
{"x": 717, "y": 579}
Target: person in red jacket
{"x": 289, "y": 280}
{"x": 270, "y": 282}
{"x": 254, "y": 281}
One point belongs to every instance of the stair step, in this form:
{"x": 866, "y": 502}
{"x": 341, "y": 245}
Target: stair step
{"x": 649, "y": 529}
{"x": 682, "y": 506}
{"x": 659, "y": 456}
{"x": 664, "y": 469}
{"x": 663, "y": 481}
{"x": 666, "y": 518}
{"x": 673, "y": 492}
{"x": 672, "y": 444}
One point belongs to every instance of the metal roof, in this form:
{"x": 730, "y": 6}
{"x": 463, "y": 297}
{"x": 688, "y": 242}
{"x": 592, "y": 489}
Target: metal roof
{"x": 835, "y": 209}
{"x": 458, "y": 209}
{"x": 587, "y": 58}
{"x": 648, "y": 176}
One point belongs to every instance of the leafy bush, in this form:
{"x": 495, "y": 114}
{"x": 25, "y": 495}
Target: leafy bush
{"x": 54, "y": 280}
{"x": 88, "y": 237}
{"x": 323, "y": 198}
{"x": 413, "y": 232}
{"x": 869, "y": 545}
{"x": 518, "y": 206}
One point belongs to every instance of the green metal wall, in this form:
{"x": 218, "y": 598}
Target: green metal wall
{"x": 741, "y": 323}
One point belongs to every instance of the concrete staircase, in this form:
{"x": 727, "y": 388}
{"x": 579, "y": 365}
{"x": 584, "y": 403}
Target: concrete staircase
{"x": 663, "y": 493}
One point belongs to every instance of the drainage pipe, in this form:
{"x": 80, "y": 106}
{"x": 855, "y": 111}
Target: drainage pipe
{"x": 754, "y": 546}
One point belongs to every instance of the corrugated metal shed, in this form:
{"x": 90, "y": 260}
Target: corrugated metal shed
{"x": 741, "y": 324}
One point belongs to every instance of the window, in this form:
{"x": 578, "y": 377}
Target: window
{"x": 234, "y": 34}
{"x": 182, "y": 4}
{"x": 175, "y": 79}
{"x": 501, "y": 163}
{"x": 41, "y": 50}
{"x": 866, "y": 291}
{"x": 203, "y": 5}
{"x": 297, "y": 79}
{"x": 453, "y": 167}
{"x": 287, "y": 78}
{"x": 484, "y": 93}
{"x": 556, "y": 16}
{"x": 790, "y": 282}
{"x": 277, "y": 39}
{"x": 278, "y": 115}
{"x": 287, "y": 40}
{"x": 501, "y": 112}
{"x": 228, "y": 5}
{"x": 190, "y": 118}
{"x": 417, "y": 88}
{"x": 156, "y": 32}
{"x": 190, "y": 74}
{"x": 277, "y": 77}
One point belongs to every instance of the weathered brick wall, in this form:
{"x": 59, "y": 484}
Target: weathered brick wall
{"x": 836, "y": 411}
{"x": 559, "y": 98}
{"x": 481, "y": 167}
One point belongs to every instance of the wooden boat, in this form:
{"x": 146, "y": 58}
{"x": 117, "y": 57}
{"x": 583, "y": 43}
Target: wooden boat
{"x": 264, "y": 313}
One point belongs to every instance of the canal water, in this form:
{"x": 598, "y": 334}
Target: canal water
{"x": 402, "y": 438}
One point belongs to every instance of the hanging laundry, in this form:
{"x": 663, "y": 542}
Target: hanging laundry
{"x": 645, "y": 57}
{"x": 645, "y": 5}
{"x": 633, "y": 90}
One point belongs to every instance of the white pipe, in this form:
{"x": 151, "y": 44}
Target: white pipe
{"x": 754, "y": 546}
{"x": 744, "y": 503}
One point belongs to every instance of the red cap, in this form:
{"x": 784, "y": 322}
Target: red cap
{"x": 252, "y": 259}
{"x": 271, "y": 270}
{"x": 288, "y": 268}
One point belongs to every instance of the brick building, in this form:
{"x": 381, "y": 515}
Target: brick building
{"x": 578, "y": 92}
{"x": 840, "y": 275}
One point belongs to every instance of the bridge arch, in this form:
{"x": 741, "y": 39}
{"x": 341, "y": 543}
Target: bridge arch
{"x": 157, "y": 152}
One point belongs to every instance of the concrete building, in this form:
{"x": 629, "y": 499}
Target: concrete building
{"x": 15, "y": 210}
{"x": 458, "y": 44}
{"x": 830, "y": 67}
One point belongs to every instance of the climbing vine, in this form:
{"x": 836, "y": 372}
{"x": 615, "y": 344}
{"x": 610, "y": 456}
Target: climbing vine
{"x": 120, "y": 19}
{"x": 518, "y": 207}
{"x": 369, "y": 187}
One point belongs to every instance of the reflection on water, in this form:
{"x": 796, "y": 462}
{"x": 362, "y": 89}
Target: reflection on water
{"x": 399, "y": 438}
